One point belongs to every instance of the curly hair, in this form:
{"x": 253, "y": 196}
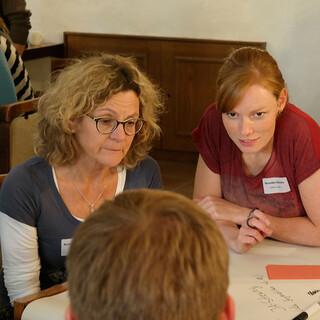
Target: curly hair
{"x": 242, "y": 68}
{"x": 82, "y": 87}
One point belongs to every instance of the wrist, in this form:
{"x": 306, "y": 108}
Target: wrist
{"x": 242, "y": 215}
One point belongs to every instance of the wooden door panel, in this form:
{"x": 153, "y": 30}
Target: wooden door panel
{"x": 189, "y": 72}
{"x": 194, "y": 88}
{"x": 185, "y": 69}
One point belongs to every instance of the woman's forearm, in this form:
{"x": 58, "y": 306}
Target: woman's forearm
{"x": 221, "y": 209}
{"x": 298, "y": 230}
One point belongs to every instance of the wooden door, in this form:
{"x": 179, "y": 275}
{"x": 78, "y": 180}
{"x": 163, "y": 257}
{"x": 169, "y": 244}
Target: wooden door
{"x": 186, "y": 70}
{"x": 189, "y": 73}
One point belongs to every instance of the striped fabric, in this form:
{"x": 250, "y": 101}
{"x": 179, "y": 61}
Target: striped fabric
{"x": 18, "y": 71}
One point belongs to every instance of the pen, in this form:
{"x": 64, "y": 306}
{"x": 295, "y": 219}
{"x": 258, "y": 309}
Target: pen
{"x": 308, "y": 312}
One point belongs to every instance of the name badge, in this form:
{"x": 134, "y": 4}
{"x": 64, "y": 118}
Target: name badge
{"x": 275, "y": 185}
{"x": 65, "y": 246}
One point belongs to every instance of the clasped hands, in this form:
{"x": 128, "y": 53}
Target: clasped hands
{"x": 254, "y": 224}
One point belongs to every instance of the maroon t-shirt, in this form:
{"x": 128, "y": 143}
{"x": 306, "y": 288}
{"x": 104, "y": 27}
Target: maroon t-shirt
{"x": 295, "y": 156}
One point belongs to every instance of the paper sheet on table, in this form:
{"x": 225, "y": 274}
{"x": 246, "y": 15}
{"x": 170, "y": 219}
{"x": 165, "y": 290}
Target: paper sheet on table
{"x": 276, "y": 300}
{"x": 296, "y": 272}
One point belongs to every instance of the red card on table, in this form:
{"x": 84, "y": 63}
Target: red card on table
{"x": 284, "y": 272}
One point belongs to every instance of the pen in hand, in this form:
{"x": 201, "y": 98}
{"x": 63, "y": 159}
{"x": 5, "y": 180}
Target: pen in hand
{"x": 314, "y": 308}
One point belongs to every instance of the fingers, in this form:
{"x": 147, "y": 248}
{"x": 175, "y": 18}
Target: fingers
{"x": 262, "y": 217}
{"x": 253, "y": 230}
{"x": 250, "y": 236}
{"x": 256, "y": 223}
{"x": 260, "y": 222}
{"x": 207, "y": 204}
{"x": 204, "y": 202}
{"x": 247, "y": 238}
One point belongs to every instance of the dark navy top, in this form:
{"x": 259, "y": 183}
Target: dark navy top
{"x": 29, "y": 195}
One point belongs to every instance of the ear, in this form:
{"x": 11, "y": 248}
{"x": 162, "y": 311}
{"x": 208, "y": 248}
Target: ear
{"x": 73, "y": 125}
{"x": 69, "y": 315}
{"x": 282, "y": 100}
{"x": 228, "y": 312}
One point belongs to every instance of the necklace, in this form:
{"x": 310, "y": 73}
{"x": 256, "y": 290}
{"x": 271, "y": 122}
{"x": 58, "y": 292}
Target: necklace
{"x": 90, "y": 204}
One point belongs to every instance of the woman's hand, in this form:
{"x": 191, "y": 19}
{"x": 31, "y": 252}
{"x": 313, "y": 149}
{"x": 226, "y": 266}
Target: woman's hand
{"x": 258, "y": 220}
{"x": 246, "y": 239}
{"x": 228, "y": 215}
{"x": 252, "y": 231}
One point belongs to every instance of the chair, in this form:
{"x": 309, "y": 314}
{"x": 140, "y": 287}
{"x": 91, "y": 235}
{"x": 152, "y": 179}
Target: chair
{"x": 17, "y": 123}
{"x": 7, "y": 88}
{"x": 2, "y": 176}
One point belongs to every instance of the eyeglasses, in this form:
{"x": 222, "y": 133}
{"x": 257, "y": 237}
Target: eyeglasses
{"x": 106, "y": 125}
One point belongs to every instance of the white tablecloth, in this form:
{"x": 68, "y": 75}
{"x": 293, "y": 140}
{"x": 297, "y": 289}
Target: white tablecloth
{"x": 256, "y": 297}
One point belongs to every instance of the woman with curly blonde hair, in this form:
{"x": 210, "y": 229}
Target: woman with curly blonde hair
{"x": 97, "y": 122}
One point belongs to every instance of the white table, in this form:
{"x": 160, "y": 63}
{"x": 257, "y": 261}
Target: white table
{"x": 50, "y": 308}
{"x": 256, "y": 297}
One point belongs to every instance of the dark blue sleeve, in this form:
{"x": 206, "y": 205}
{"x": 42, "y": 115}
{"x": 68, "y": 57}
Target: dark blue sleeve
{"x": 145, "y": 175}
{"x": 18, "y": 196}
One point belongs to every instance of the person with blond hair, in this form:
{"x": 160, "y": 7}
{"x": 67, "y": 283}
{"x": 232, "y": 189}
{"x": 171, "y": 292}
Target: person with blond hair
{"x": 148, "y": 254}
{"x": 97, "y": 122}
{"x": 259, "y": 162}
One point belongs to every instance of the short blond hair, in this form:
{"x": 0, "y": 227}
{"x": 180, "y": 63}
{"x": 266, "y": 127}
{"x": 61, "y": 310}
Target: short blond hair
{"x": 148, "y": 254}
{"x": 244, "y": 67}
{"x": 82, "y": 87}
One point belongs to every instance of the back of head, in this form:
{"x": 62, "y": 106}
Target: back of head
{"x": 148, "y": 255}
{"x": 243, "y": 68}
